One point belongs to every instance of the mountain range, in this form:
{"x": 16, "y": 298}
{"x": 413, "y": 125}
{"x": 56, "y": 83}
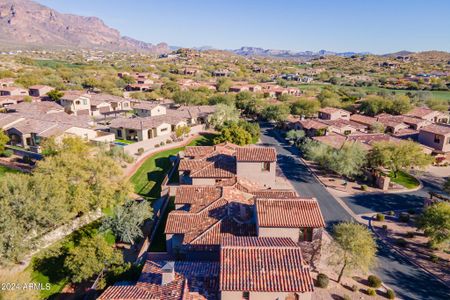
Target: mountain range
{"x": 255, "y": 51}
{"x": 27, "y": 23}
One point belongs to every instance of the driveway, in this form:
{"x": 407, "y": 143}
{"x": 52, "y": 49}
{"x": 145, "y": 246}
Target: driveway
{"x": 407, "y": 280}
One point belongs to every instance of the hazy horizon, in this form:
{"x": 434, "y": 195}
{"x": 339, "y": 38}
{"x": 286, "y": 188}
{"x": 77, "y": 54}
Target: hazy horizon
{"x": 372, "y": 26}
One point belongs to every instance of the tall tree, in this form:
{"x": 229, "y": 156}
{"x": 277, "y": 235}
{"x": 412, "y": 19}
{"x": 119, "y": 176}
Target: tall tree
{"x": 401, "y": 105}
{"x": 55, "y": 95}
{"x": 127, "y": 220}
{"x": 277, "y": 113}
{"x": 349, "y": 160}
{"x": 398, "y": 156}
{"x": 234, "y": 134}
{"x": 305, "y": 107}
{"x": 222, "y": 115}
{"x": 90, "y": 257}
{"x": 435, "y": 222}
{"x": 354, "y": 248}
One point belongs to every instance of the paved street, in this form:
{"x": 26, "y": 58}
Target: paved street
{"x": 408, "y": 281}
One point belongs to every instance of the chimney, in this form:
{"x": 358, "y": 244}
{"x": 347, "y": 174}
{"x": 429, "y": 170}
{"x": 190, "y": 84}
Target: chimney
{"x": 168, "y": 272}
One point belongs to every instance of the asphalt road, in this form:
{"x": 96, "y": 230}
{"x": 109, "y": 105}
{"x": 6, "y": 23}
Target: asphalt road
{"x": 407, "y": 280}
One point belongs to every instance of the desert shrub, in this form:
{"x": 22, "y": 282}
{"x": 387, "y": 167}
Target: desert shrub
{"x": 322, "y": 280}
{"x": 401, "y": 242}
{"x": 410, "y": 234}
{"x": 374, "y": 281}
{"x": 140, "y": 151}
{"x": 168, "y": 141}
{"x": 346, "y": 297}
{"x": 162, "y": 143}
{"x": 354, "y": 288}
{"x": 390, "y": 294}
{"x": 404, "y": 217}
{"x": 157, "y": 146}
{"x": 364, "y": 187}
{"x": 380, "y": 217}
{"x": 392, "y": 213}
{"x": 384, "y": 227}
{"x": 371, "y": 292}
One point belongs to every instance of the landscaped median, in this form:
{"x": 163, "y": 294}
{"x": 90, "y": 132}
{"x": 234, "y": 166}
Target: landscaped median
{"x": 404, "y": 179}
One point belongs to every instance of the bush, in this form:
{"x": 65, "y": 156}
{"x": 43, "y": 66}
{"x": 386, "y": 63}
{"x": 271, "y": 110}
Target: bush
{"x": 162, "y": 143}
{"x": 157, "y": 146}
{"x": 392, "y": 213}
{"x": 380, "y": 217}
{"x": 390, "y": 294}
{"x": 168, "y": 141}
{"x": 401, "y": 242}
{"x": 364, "y": 187}
{"x": 404, "y": 217}
{"x": 374, "y": 281}
{"x": 354, "y": 288}
{"x": 7, "y": 153}
{"x": 322, "y": 280}
{"x": 371, "y": 292}
{"x": 140, "y": 151}
{"x": 346, "y": 297}
{"x": 411, "y": 211}
{"x": 434, "y": 258}
{"x": 385, "y": 227}
{"x": 410, "y": 234}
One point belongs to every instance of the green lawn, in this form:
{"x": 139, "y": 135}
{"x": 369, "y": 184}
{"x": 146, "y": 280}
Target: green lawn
{"x": 148, "y": 178}
{"x": 47, "y": 266}
{"x": 159, "y": 242}
{"x": 404, "y": 179}
{"x": 4, "y": 170}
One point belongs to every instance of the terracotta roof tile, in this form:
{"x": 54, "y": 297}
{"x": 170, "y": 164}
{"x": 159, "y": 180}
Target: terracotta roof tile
{"x": 289, "y": 213}
{"x": 256, "y": 154}
{"x": 259, "y": 266}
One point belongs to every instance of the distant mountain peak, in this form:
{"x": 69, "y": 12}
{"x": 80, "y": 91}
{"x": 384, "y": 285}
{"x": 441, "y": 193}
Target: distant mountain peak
{"x": 27, "y": 23}
{"x": 256, "y": 51}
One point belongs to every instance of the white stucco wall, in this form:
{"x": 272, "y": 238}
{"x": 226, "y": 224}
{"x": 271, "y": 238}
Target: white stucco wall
{"x": 253, "y": 172}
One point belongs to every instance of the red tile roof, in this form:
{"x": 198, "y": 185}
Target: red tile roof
{"x": 263, "y": 265}
{"x": 197, "y": 196}
{"x": 289, "y": 213}
{"x": 256, "y": 154}
{"x": 275, "y": 193}
{"x": 437, "y": 129}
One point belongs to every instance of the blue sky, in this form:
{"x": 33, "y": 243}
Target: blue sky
{"x": 377, "y": 26}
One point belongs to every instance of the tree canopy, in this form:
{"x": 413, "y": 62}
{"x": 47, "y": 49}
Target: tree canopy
{"x": 127, "y": 220}
{"x": 398, "y": 156}
{"x": 435, "y": 222}
{"x": 354, "y": 248}
{"x": 223, "y": 114}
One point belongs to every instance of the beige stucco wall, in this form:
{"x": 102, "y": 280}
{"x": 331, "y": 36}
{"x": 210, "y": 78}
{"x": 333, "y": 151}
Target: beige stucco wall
{"x": 292, "y": 233}
{"x": 163, "y": 129}
{"x": 158, "y": 111}
{"x": 253, "y": 171}
{"x": 427, "y": 138}
{"x": 231, "y": 295}
{"x": 84, "y": 103}
{"x": 96, "y": 111}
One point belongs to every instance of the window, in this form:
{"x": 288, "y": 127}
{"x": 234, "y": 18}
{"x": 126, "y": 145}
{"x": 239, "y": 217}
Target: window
{"x": 84, "y": 102}
{"x": 246, "y": 295}
{"x": 437, "y": 139}
{"x": 164, "y": 129}
{"x": 77, "y": 102}
{"x": 305, "y": 235}
{"x": 265, "y": 166}
{"x": 119, "y": 133}
{"x": 347, "y": 132}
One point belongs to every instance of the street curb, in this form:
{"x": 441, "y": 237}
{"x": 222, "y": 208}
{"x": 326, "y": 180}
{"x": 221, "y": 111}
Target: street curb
{"x": 406, "y": 257}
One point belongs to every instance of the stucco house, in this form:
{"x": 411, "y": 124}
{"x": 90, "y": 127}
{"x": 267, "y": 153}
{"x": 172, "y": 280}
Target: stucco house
{"x": 436, "y": 136}
{"x": 76, "y": 102}
{"x": 257, "y": 164}
{"x": 105, "y": 103}
{"x": 4, "y": 82}
{"x": 144, "y": 128}
{"x": 149, "y": 109}
{"x": 297, "y": 218}
{"x": 429, "y": 115}
{"x": 39, "y": 90}
{"x": 12, "y": 91}
{"x": 331, "y": 113}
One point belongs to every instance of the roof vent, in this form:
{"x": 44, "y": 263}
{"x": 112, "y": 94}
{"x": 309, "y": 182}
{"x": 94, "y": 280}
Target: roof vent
{"x": 168, "y": 272}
